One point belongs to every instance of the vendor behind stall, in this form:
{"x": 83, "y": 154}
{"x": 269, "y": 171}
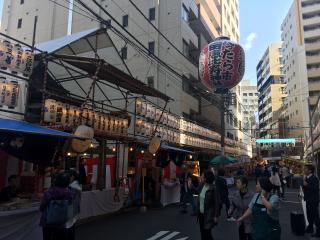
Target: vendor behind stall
{"x": 12, "y": 190}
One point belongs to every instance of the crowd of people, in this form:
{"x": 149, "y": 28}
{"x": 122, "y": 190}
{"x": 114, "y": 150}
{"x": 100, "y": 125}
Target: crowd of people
{"x": 255, "y": 213}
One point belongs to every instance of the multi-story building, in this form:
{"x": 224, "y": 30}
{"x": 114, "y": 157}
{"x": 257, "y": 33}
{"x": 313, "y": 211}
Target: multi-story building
{"x": 271, "y": 87}
{"x": 249, "y": 99}
{"x": 295, "y": 69}
{"x": 309, "y": 12}
{"x": 187, "y": 26}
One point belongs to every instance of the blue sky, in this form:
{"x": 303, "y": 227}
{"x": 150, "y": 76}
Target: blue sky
{"x": 260, "y": 22}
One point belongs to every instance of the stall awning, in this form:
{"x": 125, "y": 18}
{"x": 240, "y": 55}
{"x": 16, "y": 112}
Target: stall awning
{"x": 167, "y": 147}
{"x": 15, "y": 126}
{"x": 111, "y": 74}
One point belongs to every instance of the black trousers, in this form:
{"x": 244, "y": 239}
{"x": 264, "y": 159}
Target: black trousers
{"x": 51, "y": 233}
{"x": 313, "y": 215}
{"x": 225, "y": 202}
{"x": 205, "y": 233}
{"x": 242, "y": 234}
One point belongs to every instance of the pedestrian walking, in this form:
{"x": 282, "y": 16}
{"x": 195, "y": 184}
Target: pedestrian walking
{"x": 223, "y": 191}
{"x": 286, "y": 175}
{"x": 208, "y": 205}
{"x": 264, "y": 209}
{"x": 239, "y": 204}
{"x": 76, "y": 188}
{"x": 57, "y": 209}
{"x": 311, "y": 196}
{"x": 186, "y": 192}
{"x": 275, "y": 180}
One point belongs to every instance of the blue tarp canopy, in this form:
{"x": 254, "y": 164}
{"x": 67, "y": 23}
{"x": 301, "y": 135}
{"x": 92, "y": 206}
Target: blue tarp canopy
{"x": 15, "y": 126}
{"x": 167, "y": 147}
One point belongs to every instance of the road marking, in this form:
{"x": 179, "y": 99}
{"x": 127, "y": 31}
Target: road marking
{"x": 158, "y": 235}
{"x": 168, "y": 237}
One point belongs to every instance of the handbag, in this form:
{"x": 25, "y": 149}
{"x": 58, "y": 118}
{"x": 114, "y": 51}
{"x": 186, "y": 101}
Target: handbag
{"x": 59, "y": 212}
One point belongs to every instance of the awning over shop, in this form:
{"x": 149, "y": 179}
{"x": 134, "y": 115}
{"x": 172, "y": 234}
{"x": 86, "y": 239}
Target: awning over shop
{"x": 167, "y": 147}
{"x": 15, "y": 126}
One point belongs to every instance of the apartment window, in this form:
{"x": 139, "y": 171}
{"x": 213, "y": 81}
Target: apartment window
{"x": 296, "y": 99}
{"x": 251, "y": 94}
{"x": 21, "y": 1}
{"x": 185, "y": 48}
{"x": 151, "y": 82}
{"x": 125, "y": 20}
{"x": 245, "y": 94}
{"x": 297, "y": 112}
{"x": 152, "y": 14}
{"x": 20, "y": 23}
{"x": 256, "y": 94}
{"x": 185, "y": 13}
{"x": 151, "y": 47}
{"x": 124, "y": 53}
{"x": 295, "y": 86}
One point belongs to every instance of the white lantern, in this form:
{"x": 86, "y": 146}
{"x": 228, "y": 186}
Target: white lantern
{"x": 139, "y": 107}
{"x": 111, "y": 122}
{"x": 138, "y": 126}
{"x": 143, "y": 128}
{"x": 158, "y": 114}
{"x": 11, "y": 94}
{"x": 143, "y": 108}
{"x": 50, "y": 110}
{"x": 27, "y": 63}
{"x": 64, "y": 114}
{"x": 164, "y": 118}
{"x": 125, "y": 125}
{"x": 153, "y": 112}
{"x": 5, "y": 54}
{"x": 59, "y": 113}
{"x": 16, "y": 63}
{"x": 148, "y": 109}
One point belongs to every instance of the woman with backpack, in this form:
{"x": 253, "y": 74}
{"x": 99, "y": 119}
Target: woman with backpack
{"x": 57, "y": 208}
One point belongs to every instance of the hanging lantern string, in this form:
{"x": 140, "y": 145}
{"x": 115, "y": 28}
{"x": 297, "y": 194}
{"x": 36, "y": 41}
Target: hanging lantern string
{"x": 155, "y": 129}
{"x": 94, "y": 78}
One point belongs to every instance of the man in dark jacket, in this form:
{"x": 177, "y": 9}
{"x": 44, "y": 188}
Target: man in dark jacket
{"x": 222, "y": 188}
{"x": 187, "y": 191}
{"x": 208, "y": 206}
{"x": 311, "y": 196}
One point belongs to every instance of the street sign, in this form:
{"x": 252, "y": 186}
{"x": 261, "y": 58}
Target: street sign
{"x": 276, "y": 140}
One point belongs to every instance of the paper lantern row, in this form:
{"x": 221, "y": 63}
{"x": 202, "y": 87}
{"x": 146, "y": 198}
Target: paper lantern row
{"x": 196, "y": 129}
{"x": 145, "y": 128}
{"x": 153, "y": 113}
{"x": 69, "y": 116}
{"x": 14, "y": 58}
{"x": 198, "y": 142}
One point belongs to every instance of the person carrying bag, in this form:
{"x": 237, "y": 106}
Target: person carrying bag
{"x": 57, "y": 209}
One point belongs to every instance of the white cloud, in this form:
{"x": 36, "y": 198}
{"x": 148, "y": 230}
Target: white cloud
{"x": 249, "y": 40}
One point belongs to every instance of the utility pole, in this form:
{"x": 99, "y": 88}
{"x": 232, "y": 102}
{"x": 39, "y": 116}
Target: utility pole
{"x": 34, "y": 32}
{"x": 314, "y": 161}
{"x": 223, "y": 126}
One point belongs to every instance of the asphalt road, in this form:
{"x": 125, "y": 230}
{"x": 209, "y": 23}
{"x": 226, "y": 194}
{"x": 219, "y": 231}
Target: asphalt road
{"x": 169, "y": 224}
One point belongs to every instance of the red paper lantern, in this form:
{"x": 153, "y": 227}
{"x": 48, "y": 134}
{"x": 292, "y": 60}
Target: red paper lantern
{"x": 221, "y": 64}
